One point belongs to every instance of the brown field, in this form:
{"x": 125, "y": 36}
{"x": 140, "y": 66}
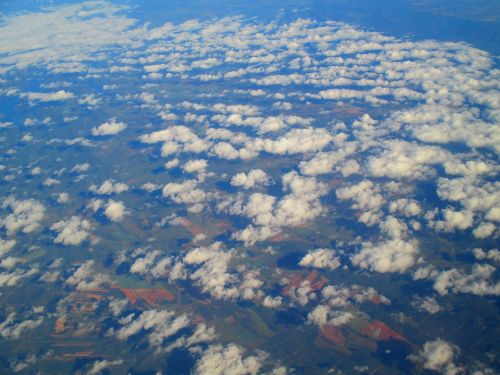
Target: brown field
{"x": 152, "y": 296}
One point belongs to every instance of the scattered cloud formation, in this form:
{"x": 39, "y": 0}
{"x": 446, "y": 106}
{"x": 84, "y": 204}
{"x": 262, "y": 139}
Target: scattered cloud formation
{"x": 108, "y": 188}
{"x": 73, "y": 231}
{"x": 320, "y": 258}
{"x": 249, "y": 180}
{"x": 25, "y": 215}
{"x": 108, "y": 128}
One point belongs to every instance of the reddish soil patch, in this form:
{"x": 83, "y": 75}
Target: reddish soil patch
{"x": 316, "y": 282}
{"x": 333, "y": 334}
{"x": 379, "y": 331}
{"x": 192, "y": 228}
{"x": 151, "y": 296}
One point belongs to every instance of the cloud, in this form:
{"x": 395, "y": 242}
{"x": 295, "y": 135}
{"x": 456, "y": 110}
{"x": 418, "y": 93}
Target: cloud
{"x": 108, "y": 128}
{"x": 108, "y": 187}
{"x": 175, "y": 139}
{"x": 98, "y": 366}
{"x": 13, "y": 278}
{"x": 323, "y": 315}
{"x": 12, "y": 328}
{"x": 270, "y": 215}
{"x": 184, "y": 192}
{"x": 339, "y": 296}
{"x": 73, "y": 231}
{"x": 478, "y": 281}
{"x": 25, "y": 215}
{"x": 158, "y": 325}
{"x": 6, "y": 246}
{"x": 198, "y": 166}
{"x": 210, "y": 271}
{"x": 63, "y": 35}
{"x": 49, "y": 96}
{"x": 62, "y": 198}
{"x": 165, "y": 330}
{"x": 367, "y": 198}
{"x": 80, "y": 168}
{"x": 427, "y": 304}
{"x": 320, "y": 258}
{"x": 115, "y": 211}
{"x": 249, "y": 180}
{"x": 405, "y": 160}
{"x": 479, "y": 254}
{"x": 395, "y": 255}
{"x": 438, "y": 355}
{"x": 219, "y": 360}
{"x": 86, "y": 278}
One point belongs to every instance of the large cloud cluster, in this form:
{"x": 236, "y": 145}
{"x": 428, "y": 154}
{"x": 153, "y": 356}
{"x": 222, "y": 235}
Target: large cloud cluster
{"x": 25, "y": 215}
{"x": 269, "y": 215}
{"x": 419, "y": 143}
{"x": 13, "y": 327}
{"x": 164, "y": 330}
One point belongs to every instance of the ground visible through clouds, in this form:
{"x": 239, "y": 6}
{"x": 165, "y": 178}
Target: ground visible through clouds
{"x": 287, "y": 188}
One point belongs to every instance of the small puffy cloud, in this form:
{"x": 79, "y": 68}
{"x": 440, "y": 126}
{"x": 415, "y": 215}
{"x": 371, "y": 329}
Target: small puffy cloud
{"x": 184, "y": 192}
{"x": 36, "y": 171}
{"x": 221, "y": 360}
{"x": 338, "y": 296}
{"x": 86, "y": 278}
{"x": 295, "y": 141}
{"x": 272, "y": 302}
{"x": 72, "y": 231}
{"x": 176, "y": 138}
{"x": 80, "y": 168}
{"x": 115, "y": 211}
{"x": 479, "y": 254}
{"x": 6, "y": 246}
{"x": 63, "y": 198}
{"x": 98, "y": 366}
{"x": 455, "y": 220}
{"x": 49, "y": 96}
{"x": 150, "y": 187}
{"x": 320, "y": 258}
{"x": 395, "y": 255}
{"x": 225, "y": 150}
{"x": 427, "y": 304}
{"x": 323, "y": 315}
{"x": 108, "y": 128}
{"x": 484, "y": 230}
{"x": 438, "y": 355}
{"x": 249, "y": 180}
{"x": 405, "y": 207}
{"x": 366, "y": 197}
{"x": 108, "y": 187}
{"x": 25, "y": 215}
{"x": 171, "y": 164}
{"x": 49, "y": 181}
{"x": 195, "y": 166}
